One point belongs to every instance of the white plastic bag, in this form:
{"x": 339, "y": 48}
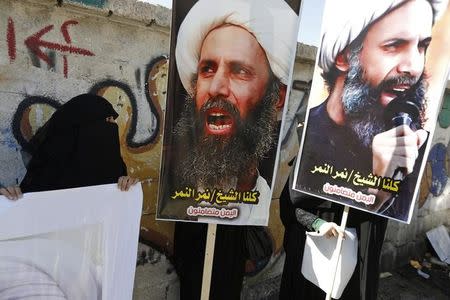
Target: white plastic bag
{"x": 317, "y": 265}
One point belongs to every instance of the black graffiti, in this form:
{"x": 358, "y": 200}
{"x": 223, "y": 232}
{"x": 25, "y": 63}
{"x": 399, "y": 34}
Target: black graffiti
{"x": 153, "y": 66}
{"x": 20, "y": 113}
{"x": 126, "y": 89}
{"x": 18, "y": 122}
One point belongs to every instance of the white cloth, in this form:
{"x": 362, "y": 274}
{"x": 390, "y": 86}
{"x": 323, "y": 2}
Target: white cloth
{"x": 102, "y": 261}
{"x": 40, "y": 268}
{"x": 272, "y": 22}
{"x": 22, "y": 280}
{"x": 344, "y": 20}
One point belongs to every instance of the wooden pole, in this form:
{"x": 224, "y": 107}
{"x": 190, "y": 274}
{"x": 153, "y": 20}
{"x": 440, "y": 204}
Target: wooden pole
{"x": 209, "y": 256}
{"x": 337, "y": 252}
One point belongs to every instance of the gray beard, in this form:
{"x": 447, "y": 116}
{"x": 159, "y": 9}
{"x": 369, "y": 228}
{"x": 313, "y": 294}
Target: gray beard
{"x": 206, "y": 161}
{"x": 363, "y": 111}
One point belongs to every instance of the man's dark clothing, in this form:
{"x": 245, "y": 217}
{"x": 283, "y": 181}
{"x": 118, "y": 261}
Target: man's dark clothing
{"x": 228, "y": 264}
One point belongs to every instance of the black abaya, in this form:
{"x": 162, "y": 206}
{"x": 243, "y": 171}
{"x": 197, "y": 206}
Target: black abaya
{"x": 228, "y": 265}
{"x": 370, "y": 230}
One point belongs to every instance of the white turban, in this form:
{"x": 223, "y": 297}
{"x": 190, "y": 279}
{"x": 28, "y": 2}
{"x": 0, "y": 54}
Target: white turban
{"x": 273, "y": 23}
{"x": 344, "y": 20}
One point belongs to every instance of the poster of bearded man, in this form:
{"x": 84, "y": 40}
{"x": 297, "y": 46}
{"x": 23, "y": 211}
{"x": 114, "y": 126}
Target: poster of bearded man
{"x": 372, "y": 115}
{"x": 230, "y": 68}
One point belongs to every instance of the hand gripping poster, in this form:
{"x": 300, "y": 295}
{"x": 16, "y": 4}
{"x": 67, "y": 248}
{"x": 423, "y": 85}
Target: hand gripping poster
{"x": 377, "y": 88}
{"x": 230, "y": 67}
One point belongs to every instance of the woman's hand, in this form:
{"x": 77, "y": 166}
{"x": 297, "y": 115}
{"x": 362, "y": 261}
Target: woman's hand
{"x": 125, "y": 182}
{"x": 11, "y": 192}
{"x": 330, "y": 229}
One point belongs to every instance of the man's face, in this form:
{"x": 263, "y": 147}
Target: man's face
{"x": 389, "y": 62}
{"x": 395, "y": 46}
{"x": 234, "y": 67}
{"x": 228, "y": 125}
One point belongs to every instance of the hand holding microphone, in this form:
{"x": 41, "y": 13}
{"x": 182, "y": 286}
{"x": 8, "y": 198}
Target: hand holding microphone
{"x": 401, "y": 111}
{"x": 396, "y": 150}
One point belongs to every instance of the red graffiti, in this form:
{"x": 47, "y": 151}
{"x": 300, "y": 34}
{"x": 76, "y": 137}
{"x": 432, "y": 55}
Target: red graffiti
{"x": 66, "y": 66}
{"x": 11, "y": 40}
{"x": 65, "y": 32}
{"x": 35, "y": 43}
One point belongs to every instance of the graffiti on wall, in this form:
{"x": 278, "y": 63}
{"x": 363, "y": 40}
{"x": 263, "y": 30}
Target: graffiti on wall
{"x": 437, "y": 160}
{"x": 34, "y": 111}
{"x": 437, "y": 170}
{"x": 96, "y": 3}
{"x": 39, "y": 47}
{"x": 444, "y": 115}
{"x": 30, "y": 115}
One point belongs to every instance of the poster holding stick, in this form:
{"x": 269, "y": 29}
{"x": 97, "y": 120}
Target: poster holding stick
{"x": 337, "y": 252}
{"x": 209, "y": 257}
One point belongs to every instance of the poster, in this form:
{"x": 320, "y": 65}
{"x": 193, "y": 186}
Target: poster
{"x": 228, "y": 78}
{"x": 377, "y": 88}
{"x": 75, "y": 244}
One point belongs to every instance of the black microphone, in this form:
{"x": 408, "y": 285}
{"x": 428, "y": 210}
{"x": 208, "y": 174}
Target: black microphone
{"x": 401, "y": 111}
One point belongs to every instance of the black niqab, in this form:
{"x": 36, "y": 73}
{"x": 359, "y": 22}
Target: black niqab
{"x": 76, "y": 147}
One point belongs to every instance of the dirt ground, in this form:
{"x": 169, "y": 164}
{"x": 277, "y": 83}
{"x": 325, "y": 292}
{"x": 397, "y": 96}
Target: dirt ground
{"x": 157, "y": 280}
{"x": 406, "y": 284}
{"x": 401, "y": 284}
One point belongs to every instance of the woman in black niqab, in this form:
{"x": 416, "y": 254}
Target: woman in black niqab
{"x": 78, "y": 146}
